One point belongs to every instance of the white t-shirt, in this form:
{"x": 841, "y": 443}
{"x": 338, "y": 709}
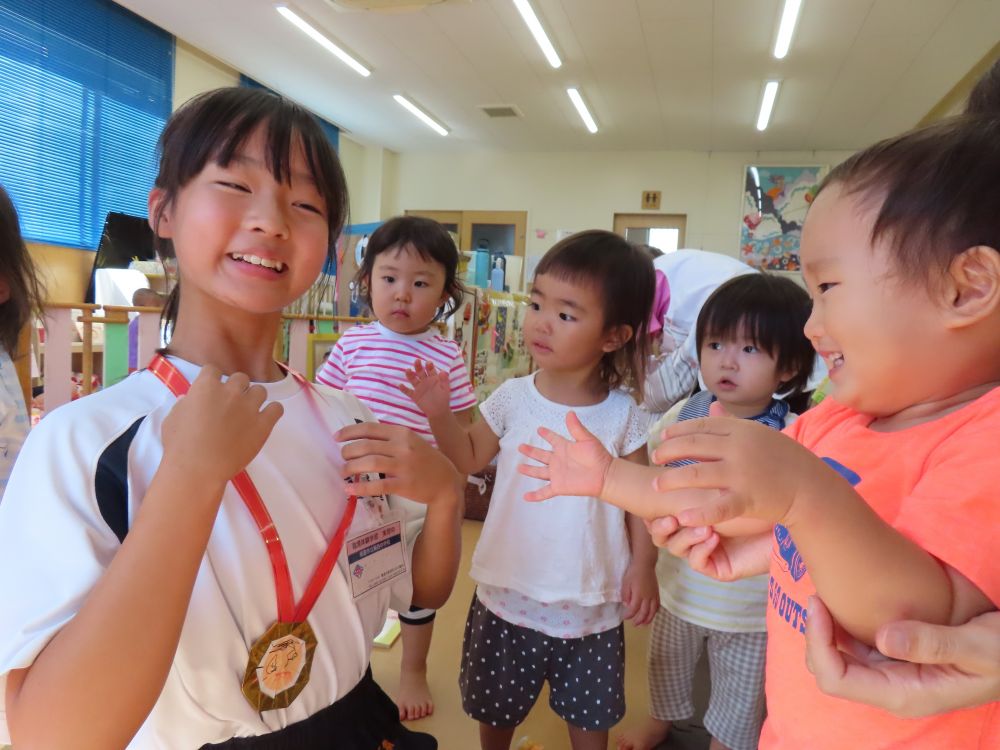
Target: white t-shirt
{"x": 371, "y": 362}
{"x": 567, "y": 549}
{"x": 55, "y": 545}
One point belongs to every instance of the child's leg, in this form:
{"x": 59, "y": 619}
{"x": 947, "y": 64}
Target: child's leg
{"x": 736, "y": 707}
{"x": 495, "y": 738}
{"x": 503, "y": 668}
{"x": 583, "y": 739}
{"x": 414, "y": 697}
{"x": 674, "y": 648}
{"x": 587, "y": 685}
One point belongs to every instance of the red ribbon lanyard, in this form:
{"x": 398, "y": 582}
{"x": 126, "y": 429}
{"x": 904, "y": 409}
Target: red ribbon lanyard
{"x": 175, "y": 381}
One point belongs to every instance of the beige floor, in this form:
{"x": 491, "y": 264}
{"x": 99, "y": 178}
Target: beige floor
{"x": 453, "y": 729}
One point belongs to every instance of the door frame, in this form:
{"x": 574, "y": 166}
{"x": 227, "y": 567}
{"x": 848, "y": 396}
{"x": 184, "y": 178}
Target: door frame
{"x": 652, "y": 221}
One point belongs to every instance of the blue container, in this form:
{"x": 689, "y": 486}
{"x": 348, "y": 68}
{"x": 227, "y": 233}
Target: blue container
{"x": 497, "y": 273}
{"x": 481, "y": 259}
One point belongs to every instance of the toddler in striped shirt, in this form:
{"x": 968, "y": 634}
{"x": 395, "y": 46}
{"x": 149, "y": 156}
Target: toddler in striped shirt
{"x": 409, "y": 277}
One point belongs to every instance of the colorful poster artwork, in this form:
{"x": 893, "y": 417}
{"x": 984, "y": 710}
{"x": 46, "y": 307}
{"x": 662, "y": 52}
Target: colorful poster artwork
{"x": 775, "y": 201}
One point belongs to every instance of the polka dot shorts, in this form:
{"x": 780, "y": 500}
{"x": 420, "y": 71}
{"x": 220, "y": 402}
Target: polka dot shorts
{"x": 504, "y": 666}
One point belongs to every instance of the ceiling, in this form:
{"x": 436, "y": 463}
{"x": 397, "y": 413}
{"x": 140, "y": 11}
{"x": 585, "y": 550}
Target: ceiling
{"x": 657, "y": 74}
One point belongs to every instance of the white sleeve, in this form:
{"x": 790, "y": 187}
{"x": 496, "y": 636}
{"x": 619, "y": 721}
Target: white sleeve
{"x": 673, "y": 379}
{"x": 496, "y": 409}
{"x": 54, "y": 544}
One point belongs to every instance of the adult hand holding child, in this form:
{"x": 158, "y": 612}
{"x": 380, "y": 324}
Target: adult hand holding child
{"x": 917, "y": 668}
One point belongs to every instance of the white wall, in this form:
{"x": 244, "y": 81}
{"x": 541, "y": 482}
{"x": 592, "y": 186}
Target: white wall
{"x": 195, "y": 72}
{"x": 584, "y": 190}
{"x": 367, "y": 167}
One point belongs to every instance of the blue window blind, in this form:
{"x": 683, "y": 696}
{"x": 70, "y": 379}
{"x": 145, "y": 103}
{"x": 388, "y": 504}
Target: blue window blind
{"x": 331, "y": 130}
{"x": 85, "y": 89}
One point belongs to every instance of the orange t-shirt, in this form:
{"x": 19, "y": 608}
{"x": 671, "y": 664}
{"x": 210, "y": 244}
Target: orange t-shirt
{"x": 937, "y": 483}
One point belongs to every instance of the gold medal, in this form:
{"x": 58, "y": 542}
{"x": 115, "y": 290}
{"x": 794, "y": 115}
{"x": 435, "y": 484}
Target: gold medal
{"x": 279, "y": 664}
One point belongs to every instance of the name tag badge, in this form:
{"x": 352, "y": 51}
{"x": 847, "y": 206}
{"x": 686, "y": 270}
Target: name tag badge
{"x": 376, "y": 557}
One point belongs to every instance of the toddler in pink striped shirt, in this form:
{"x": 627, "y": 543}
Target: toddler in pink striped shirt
{"x": 409, "y": 278}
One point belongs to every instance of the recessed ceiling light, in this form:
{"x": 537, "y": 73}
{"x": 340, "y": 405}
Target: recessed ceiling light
{"x": 301, "y": 22}
{"x": 417, "y": 112}
{"x": 767, "y": 104}
{"x": 535, "y": 26}
{"x": 581, "y": 107}
{"x": 787, "y": 27}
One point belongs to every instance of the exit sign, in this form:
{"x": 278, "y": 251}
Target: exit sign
{"x": 651, "y": 200}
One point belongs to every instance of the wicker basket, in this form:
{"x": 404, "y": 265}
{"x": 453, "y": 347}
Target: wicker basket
{"x": 478, "y": 491}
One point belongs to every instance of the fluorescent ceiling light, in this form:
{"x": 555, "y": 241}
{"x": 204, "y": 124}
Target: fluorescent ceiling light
{"x": 767, "y": 104}
{"x": 577, "y": 100}
{"x": 425, "y": 118}
{"x": 787, "y": 26}
{"x": 535, "y": 26}
{"x": 299, "y": 21}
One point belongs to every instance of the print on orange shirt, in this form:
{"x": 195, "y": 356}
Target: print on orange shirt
{"x": 789, "y": 560}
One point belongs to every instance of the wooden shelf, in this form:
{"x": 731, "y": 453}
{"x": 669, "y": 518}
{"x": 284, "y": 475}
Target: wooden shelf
{"x": 77, "y": 348}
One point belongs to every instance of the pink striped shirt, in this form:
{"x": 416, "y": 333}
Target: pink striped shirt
{"x": 371, "y": 361}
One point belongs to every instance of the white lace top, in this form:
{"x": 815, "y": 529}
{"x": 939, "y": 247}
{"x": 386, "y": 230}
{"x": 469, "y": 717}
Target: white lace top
{"x": 568, "y": 554}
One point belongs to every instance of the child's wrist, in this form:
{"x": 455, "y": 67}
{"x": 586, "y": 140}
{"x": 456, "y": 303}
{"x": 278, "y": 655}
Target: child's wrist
{"x": 803, "y": 501}
{"x": 436, "y": 414}
{"x": 610, "y": 478}
{"x": 450, "y": 497}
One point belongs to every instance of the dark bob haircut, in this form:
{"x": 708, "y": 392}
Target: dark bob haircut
{"x": 623, "y": 274}
{"x": 214, "y": 126}
{"x": 429, "y": 240}
{"x": 769, "y": 310}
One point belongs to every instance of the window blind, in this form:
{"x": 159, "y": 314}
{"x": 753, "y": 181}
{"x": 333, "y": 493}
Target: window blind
{"x": 85, "y": 89}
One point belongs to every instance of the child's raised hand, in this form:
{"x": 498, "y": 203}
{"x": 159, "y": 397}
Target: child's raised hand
{"x": 744, "y": 469}
{"x": 640, "y": 594}
{"x": 577, "y": 466}
{"x": 218, "y": 428}
{"x": 930, "y": 668}
{"x": 411, "y": 466}
{"x": 429, "y": 388}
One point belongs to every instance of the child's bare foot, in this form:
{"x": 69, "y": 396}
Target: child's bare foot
{"x": 414, "y": 699}
{"x": 649, "y": 735}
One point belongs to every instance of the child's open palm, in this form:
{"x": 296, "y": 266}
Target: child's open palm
{"x": 575, "y": 466}
{"x": 429, "y": 388}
